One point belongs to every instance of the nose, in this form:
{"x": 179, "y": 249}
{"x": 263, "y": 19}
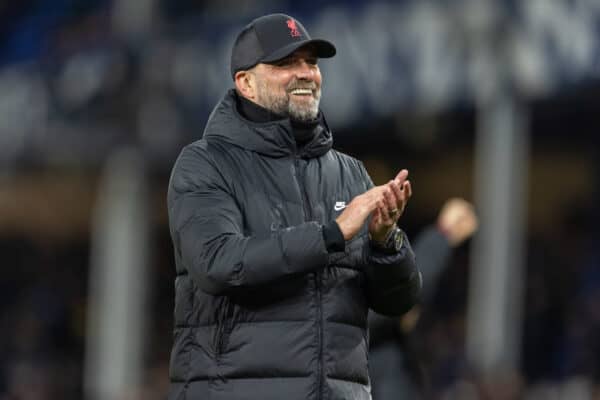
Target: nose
{"x": 305, "y": 69}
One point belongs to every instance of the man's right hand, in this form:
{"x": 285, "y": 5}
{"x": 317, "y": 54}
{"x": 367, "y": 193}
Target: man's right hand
{"x": 356, "y": 213}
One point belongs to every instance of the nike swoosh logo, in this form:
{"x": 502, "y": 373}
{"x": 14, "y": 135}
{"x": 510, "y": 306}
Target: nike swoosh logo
{"x": 340, "y": 205}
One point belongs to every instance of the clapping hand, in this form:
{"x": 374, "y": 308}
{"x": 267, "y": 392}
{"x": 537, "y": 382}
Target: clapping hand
{"x": 389, "y": 209}
{"x": 384, "y": 203}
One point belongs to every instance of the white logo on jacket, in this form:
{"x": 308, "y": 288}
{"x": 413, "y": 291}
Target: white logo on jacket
{"x": 339, "y": 205}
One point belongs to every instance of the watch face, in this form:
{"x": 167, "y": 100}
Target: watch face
{"x": 398, "y": 240}
{"x": 393, "y": 243}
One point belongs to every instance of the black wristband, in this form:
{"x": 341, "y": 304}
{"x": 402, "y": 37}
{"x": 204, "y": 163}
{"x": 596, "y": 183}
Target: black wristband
{"x": 333, "y": 237}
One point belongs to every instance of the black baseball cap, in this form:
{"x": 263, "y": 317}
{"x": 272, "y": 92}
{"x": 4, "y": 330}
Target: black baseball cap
{"x": 270, "y": 38}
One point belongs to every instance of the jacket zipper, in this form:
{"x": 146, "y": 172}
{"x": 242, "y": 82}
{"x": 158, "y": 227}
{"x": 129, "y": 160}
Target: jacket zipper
{"x": 320, "y": 333}
{"x": 225, "y": 329}
{"x": 317, "y": 276}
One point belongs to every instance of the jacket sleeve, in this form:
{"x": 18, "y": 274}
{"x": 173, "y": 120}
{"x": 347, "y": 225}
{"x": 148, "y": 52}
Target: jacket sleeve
{"x": 393, "y": 280}
{"x": 433, "y": 251}
{"x": 207, "y": 229}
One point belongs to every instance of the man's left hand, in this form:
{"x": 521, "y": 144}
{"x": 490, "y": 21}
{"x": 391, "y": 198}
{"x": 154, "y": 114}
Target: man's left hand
{"x": 389, "y": 210}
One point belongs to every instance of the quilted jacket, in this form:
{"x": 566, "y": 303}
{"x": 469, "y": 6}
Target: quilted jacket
{"x": 262, "y": 310}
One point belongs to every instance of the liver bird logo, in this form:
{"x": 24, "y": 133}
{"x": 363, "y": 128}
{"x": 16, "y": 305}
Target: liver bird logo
{"x": 294, "y": 32}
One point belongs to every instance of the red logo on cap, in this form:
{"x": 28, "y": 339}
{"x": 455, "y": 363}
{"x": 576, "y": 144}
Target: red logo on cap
{"x": 294, "y": 32}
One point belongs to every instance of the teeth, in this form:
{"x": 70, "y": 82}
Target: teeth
{"x": 302, "y": 91}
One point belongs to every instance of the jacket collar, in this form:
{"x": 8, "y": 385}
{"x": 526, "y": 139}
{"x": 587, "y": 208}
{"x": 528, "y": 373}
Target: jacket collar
{"x": 273, "y": 138}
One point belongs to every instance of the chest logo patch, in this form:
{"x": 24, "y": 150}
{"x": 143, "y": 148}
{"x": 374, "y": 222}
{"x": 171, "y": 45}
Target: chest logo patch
{"x": 339, "y": 205}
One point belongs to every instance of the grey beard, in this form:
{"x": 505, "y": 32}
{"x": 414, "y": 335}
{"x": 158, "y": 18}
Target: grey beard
{"x": 286, "y": 108}
{"x": 304, "y": 114}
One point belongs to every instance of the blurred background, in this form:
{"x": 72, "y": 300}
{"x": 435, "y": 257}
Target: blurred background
{"x": 494, "y": 101}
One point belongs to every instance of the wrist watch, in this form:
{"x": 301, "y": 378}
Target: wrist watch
{"x": 392, "y": 243}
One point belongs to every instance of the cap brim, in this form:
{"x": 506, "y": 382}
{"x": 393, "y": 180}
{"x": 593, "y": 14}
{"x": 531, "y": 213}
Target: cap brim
{"x": 323, "y": 48}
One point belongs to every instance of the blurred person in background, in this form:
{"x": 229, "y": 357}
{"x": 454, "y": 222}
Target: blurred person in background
{"x": 282, "y": 244}
{"x": 394, "y": 365}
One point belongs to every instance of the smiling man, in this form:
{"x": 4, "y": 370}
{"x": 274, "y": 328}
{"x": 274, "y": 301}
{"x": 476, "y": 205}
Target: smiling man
{"x": 282, "y": 244}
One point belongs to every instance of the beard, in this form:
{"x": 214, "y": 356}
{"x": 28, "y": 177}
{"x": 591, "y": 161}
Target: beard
{"x": 283, "y": 104}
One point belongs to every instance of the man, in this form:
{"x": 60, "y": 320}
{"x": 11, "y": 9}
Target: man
{"x": 394, "y": 364}
{"x": 282, "y": 244}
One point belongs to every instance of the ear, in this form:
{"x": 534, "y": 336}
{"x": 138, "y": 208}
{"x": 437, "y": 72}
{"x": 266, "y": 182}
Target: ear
{"x": 245, "y": 82}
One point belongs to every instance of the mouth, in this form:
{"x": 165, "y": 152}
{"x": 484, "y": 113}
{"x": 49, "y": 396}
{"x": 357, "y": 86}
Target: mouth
{"x": 301, "y": 92}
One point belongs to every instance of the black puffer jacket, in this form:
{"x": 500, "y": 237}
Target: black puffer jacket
{"x": 262, "y": 310}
